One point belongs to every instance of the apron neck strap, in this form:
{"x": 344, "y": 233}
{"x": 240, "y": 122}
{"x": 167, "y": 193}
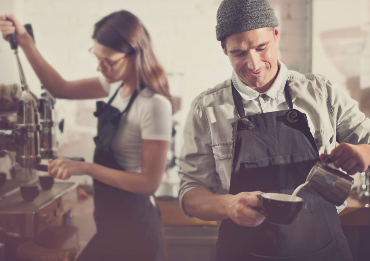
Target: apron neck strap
{"x": 115, "y": 94}
{"x": 238, "y": 100}
{"x": 130, "y": 102}
{"x": 116, "y": 119}
{"x": 288, "y": 97}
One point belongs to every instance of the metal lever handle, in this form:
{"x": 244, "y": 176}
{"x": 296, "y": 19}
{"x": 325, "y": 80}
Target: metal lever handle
{"x": 12, "y": 39}
{"x": 30, "y": 31}
{"x": 44, "y": 167}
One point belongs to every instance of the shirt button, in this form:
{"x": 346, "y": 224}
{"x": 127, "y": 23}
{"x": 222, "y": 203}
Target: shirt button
{"x": 263, "y": 95}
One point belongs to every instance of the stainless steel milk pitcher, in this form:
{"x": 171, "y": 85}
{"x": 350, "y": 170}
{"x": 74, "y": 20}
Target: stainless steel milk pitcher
{"x": 331, "y": 184}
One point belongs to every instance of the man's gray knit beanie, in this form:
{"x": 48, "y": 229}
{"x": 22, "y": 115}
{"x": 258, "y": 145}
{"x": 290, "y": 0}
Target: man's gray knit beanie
{"x": 235, "y": 16}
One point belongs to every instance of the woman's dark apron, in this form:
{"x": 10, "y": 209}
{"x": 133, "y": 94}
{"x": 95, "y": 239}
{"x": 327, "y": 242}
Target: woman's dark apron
{"x": 128, "y": 225}
{"x": 274, "y": 152}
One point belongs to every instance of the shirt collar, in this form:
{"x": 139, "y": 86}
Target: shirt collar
{"x": 277, "y": 87}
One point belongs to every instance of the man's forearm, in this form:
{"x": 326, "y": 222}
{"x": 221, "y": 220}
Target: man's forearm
{"x": 203, "y": 204}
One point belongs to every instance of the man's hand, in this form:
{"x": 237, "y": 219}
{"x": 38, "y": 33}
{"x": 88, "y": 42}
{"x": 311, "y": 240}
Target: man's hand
{"x": 350, "y": 158}
{"x": 239, "y": 209}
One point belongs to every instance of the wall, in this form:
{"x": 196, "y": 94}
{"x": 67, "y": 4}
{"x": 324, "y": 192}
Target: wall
{"x": 341, "y": 50}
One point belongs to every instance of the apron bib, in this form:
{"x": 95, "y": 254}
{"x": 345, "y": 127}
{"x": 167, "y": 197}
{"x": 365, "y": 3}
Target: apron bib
{"x": 128, "y": 225}
{"x": 273, "y": 153}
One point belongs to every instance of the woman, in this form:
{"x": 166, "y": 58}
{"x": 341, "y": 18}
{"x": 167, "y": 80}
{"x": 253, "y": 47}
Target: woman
{"x": 134, "y": 130}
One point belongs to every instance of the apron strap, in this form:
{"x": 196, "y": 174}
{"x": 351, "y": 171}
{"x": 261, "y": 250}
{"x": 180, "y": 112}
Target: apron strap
{"x": 115, "y": 94}
{"x": 238, "y": 100}
{"x": 116, "y": 119}
{"x": 288, "y": 97}
{"x": 130, "y": 102}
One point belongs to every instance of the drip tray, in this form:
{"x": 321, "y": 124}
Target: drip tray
{"x": 11, "y": 185}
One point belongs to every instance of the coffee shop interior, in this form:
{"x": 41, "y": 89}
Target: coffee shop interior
{"x": 328, "y": 37}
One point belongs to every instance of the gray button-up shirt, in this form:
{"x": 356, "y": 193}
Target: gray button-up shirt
{"x": 206, "y": 157}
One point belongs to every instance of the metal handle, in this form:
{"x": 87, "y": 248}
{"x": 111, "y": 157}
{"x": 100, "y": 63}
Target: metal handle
{"x": 30, "y": 31}
{"x": 42, "y": 167}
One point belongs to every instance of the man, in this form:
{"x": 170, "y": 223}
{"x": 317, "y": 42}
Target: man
{"x": 262, "y": 131}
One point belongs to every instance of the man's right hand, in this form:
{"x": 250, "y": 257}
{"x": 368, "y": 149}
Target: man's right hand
{"x": 239, "y": 209}
{"x": 11, "y": 27}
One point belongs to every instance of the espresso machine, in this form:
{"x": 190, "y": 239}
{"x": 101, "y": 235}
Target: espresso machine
{"x": 27, "y": 138}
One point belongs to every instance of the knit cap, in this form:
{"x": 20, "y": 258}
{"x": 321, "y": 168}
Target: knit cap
{"x": 235, "y": 16}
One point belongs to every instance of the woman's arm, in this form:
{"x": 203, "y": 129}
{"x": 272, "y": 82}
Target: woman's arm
{"x": 50, "y": 78}
{"x": 154, "y": 159}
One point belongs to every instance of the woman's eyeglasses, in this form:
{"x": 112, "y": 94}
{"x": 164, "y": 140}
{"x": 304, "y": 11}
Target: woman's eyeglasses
{"x": 107, "y": 64}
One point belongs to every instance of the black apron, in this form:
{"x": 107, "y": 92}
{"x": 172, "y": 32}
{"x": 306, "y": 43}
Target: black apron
{"x": 274, "y": 152}
{"x": 128, "y": 225}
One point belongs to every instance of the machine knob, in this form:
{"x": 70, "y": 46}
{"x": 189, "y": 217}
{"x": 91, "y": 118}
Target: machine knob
{"x": 45, "y": 218}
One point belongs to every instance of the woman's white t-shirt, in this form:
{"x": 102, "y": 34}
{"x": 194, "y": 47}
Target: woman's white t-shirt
{"x": 149, "y": 118}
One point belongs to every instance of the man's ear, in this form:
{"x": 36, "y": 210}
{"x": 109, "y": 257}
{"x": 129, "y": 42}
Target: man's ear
{"x": 223, "y": 47}
{"x": 277, "y": 34}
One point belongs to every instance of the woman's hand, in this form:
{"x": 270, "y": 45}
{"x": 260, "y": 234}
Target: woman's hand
{"x": 13, "y": 26}
{"x": 350, "y": 158}
{"x": 62, "y": 168}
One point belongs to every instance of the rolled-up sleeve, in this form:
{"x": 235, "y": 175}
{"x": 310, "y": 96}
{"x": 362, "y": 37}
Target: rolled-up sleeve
{"x": 197, "y": 163}
{"x": 352, "y": 125}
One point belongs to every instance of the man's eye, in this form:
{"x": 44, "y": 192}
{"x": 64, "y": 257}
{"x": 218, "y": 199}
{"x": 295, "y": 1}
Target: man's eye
{"x": 260, "y": 49}
{"x": 239, "y": 54}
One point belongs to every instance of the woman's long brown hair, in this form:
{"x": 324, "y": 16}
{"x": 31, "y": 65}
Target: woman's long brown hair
{"x": 124, "y": 32}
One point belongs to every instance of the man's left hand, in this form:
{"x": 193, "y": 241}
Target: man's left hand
{"x": 62, "y": 168}
{"x": 350, "y": 158}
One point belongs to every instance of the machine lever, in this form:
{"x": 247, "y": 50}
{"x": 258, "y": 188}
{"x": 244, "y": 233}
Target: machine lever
{"x": 44, "y": 167}
{"x": 30, "y": 31}
{"x": 12, "y": 39}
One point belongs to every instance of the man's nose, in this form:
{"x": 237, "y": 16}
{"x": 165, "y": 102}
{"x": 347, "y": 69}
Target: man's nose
{"x": 253, "y": 61}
